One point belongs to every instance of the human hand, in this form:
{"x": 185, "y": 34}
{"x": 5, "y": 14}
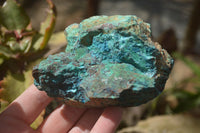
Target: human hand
{"x": 25, "y": 109}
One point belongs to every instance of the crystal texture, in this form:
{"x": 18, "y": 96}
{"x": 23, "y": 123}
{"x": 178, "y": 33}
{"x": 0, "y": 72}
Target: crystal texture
{"x": 109, "y": 61}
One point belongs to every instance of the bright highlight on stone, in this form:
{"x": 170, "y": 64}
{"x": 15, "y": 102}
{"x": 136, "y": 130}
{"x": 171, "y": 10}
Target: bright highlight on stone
{"x": 109, "y": 61}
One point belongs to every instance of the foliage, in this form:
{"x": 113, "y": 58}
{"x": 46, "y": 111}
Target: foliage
{"x": 18, "y": 19}
{"x": 187, "y": 99}
{"x": 14, "y": 84}
{"x": 21, "y": 47}
{"x": 38, "y": 120}
{"x": 17, "y": 38}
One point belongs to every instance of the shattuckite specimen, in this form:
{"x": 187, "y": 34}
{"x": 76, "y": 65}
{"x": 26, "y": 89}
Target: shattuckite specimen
{"x": 108, "y": 61}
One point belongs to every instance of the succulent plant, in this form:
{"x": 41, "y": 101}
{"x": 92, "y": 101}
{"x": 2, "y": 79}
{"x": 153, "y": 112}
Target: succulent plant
{"x": 19, "y": 44}
{"x": 17, "y": 37}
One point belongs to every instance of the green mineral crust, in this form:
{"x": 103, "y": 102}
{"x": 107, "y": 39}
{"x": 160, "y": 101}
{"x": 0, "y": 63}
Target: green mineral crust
{"x": 109, "y": 61}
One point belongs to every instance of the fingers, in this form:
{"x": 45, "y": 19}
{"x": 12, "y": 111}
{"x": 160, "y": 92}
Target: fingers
{"x": 28, "y": 105}
{"x": 108, "y": 121}
{"x": 10, "y": 125}
{"x": 87, "y": 121}
{"x": 61, "y": 120}
{"x": 79, "y": 120}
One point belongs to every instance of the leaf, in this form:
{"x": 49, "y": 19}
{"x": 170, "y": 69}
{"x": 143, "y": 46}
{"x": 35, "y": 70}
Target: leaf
{"x": 1, "y": 60}
{"x": 57, "y": 39}
{"x": 3, "y": 105}
{"x": 23, "y": 46}
{"x": 12, "y": 16}
{"x": 5, "y": 51}
{"x": 27, "y": 44}
{"x": 37, "y": 41}
{"x": 186, "y": 100}
{"x": 14, "y": 84}
{"x": 38, "y": 120}
{"x": 46, "y": 28}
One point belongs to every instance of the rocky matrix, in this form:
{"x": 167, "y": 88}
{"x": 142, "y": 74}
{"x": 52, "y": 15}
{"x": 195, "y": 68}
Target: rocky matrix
{"x": 109, "y": 61}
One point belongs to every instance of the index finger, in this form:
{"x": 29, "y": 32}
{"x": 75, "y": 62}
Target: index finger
{"x": 28, "y": 105}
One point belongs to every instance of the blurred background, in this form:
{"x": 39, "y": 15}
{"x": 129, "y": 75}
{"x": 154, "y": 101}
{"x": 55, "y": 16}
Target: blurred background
{"x": 174, "y": 17}
{"x": 175, "y": 25}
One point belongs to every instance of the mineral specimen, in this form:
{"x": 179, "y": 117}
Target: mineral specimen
{"x": 109, "y": 61}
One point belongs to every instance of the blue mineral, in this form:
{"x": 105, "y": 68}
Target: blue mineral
{"x": 109, "y": 61}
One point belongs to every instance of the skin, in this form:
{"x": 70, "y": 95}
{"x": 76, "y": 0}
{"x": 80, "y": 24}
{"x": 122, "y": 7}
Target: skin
{"x": 25, "y": 109}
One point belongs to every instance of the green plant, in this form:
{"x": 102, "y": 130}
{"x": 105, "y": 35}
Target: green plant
{"x": 21, "y": 47}
{"x": 187, "y": 99}
{"x": 18, "y": 40}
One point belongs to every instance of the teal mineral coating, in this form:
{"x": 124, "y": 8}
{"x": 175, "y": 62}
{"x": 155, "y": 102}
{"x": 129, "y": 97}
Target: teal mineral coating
{"x": 109, "y": 61}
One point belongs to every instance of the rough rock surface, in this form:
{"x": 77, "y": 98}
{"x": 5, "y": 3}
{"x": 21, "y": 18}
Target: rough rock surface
{"x": 109, "y": 61}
